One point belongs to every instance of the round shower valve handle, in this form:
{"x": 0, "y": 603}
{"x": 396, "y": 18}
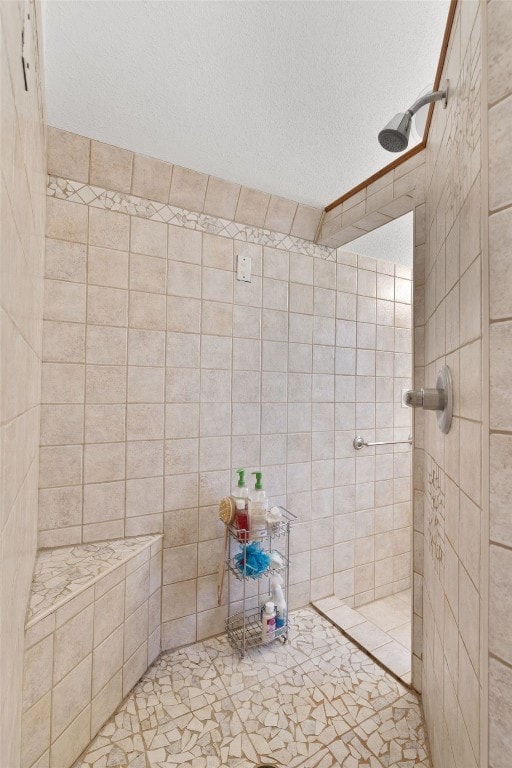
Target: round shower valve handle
{"x": 434, "y": 399}
{"x": 414, "y": 398}
{"x": 428, "y": 399}
{"x": 439, "y": 399}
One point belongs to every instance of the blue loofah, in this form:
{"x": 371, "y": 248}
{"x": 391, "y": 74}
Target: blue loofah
{"x": 256, "y": 560}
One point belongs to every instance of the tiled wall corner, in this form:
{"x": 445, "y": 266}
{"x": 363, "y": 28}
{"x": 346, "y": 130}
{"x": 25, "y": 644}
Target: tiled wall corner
{"x": 418, "y": 539}
{"x": 23, "y": 164}
{"x": 84, "y": 657}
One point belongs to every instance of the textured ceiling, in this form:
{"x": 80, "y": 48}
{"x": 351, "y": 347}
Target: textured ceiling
{"x": 285, "y": 97}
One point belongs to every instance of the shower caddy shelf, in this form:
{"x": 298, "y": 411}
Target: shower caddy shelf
{"x": 243, "y": 626}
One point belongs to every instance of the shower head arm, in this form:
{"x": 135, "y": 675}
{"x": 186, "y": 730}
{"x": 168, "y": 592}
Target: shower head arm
{"x": 428, "y": 98}
{"x": 394, "y": 137}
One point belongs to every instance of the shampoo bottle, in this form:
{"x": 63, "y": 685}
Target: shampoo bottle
{"x": 241, "y": 521}
{"x": 274, "y": 521}
{"x": 276, "y": 585}
{"x": 258, "y": 504}
{"x": 241, "y": 495}
{"x": 268, "y": 622}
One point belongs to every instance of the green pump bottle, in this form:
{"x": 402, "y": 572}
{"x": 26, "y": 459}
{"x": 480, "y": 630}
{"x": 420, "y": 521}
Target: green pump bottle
{"x": 241, "y": 491}
{"x": 258, "y": 506}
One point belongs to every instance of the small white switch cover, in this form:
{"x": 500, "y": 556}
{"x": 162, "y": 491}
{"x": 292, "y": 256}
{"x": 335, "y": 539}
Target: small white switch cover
{"x": 243, "y": 268}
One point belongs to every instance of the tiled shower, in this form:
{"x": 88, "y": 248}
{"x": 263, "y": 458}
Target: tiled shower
{"x": 160, "y": 374}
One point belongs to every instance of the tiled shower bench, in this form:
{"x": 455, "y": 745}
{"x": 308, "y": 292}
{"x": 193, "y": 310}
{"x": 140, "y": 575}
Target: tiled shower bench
{"x": 92, "y": 630}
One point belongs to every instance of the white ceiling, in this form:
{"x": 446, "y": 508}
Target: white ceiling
{"x": 285, "y": 97}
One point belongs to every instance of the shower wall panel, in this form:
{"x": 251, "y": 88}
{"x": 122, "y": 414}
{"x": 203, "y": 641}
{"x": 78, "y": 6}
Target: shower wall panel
{"x": 451, "y": 471}
{"x": 372, "y": 503}
{"x": 23, "y": 180}
{"x": 162, "y": 374}
{"x": 499, "y": 104}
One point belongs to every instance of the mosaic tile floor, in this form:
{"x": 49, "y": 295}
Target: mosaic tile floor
{"x": 317, "y": 702}
{"x": 61, "y": 573}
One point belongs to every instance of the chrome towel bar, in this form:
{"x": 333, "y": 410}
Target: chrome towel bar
{"x": 359, "y": 442}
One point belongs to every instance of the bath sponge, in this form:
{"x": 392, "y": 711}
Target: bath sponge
{"x": 255, "y": 559}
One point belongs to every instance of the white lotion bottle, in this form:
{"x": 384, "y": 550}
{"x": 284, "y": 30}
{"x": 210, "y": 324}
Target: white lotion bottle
{"x": 276, "y": 585}
{"x": 274, "y": 521}
{"x": 268, "y": 622}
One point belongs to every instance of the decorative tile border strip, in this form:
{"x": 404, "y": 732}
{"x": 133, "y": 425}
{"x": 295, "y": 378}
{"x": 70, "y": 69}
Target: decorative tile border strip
{"x": 436, "y": 512}
{"x": 97, "y": 197}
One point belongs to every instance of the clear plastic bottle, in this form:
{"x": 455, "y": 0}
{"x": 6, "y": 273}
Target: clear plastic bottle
{"x": 276, "y": 585}
{"x": 258, "y": 505}
{"x": 241, "y": 491}
{"x": 268, "y": 622}
{"x": 241, "y": 495}
{"x": 241, "y": 520}
{"x": 274, "y": 521}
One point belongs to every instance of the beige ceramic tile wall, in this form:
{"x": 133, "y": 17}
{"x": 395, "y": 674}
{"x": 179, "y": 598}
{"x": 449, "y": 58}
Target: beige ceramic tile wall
{"x": 300, "y": 390}
{"x": 85, "y": 657}
{"x": 372, "y": 503}
{"x": 499, "y": 94}
{"x": 23, "y": 161}
{"x": 162, "y": 374}
{"x": 450, "y": 505}
{"x": 392, "y": 195}
{"x": 102, "y": 439}
{"x": 75, "y": 157}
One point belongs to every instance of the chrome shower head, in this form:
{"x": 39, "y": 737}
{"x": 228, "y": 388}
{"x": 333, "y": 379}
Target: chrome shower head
{"x": 395, "y": 136}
